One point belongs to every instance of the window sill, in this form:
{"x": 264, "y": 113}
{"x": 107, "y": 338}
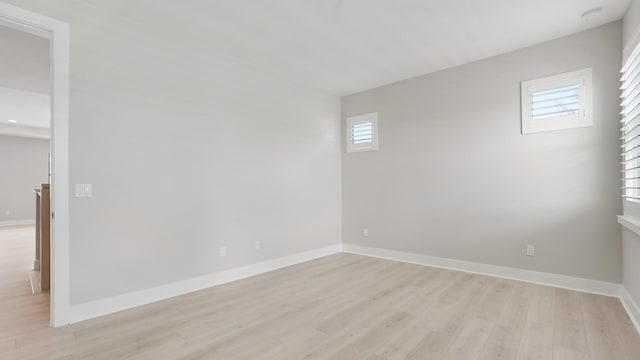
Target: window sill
{"x": 630, "y": 223}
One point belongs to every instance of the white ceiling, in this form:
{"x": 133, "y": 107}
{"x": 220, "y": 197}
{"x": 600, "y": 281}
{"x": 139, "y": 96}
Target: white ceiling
{"x": 27, "y": 108}
{"x": 345, "y": 46}
{"x": 30, "y": 110}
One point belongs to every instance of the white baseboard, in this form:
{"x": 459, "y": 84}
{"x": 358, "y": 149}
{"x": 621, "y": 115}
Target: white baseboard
{"x": 632, "y": 308}
{"x": 556, "y": 280}
{"x": 113, "y": 304}
{"x": 536, "y": 277}
{"x": 17, "y": 222}
{"x": 130, "y": 300}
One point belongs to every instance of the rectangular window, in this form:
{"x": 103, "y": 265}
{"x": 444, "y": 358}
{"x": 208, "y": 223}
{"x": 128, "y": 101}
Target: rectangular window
{"x": 557, "y": 102}
{"x": 362, "y": 133}
{"x": 631, "y": 127}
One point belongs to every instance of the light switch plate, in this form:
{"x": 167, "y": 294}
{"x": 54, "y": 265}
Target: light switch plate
{"x": 83, "y": 190}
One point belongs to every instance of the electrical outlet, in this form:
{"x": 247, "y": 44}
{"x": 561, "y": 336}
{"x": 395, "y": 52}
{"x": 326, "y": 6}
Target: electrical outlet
{"x": 258, "y": 245}
{"x": 223, "y": 251}
{"x": 531, "y": 250}
{"x": 365, "y": 232}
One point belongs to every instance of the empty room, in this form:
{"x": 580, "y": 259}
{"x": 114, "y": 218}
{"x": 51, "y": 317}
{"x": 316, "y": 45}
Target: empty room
{"x": 336, "y": 179}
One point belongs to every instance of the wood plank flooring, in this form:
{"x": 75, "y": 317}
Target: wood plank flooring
{"x": 338, "y": 307}
{"x": 21, "y": 312}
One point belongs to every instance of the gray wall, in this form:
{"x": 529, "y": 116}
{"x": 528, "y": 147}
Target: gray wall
{"x": 187, "y": 151}
{"x": 455, "y": 178}
{"x": 630, "y": 264}
{"x": 24, "y": 61}
{"x": 24, "y": 166}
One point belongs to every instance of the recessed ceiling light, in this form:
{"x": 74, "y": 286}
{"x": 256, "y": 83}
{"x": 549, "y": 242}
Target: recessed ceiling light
{"x": 12, "y": 121}
{"x": 592, "y": 13}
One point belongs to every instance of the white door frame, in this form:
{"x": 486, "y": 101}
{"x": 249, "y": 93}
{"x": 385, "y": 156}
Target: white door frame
{"x": 58, "y": 33}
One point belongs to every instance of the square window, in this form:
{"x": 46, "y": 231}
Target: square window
{"x": 557, "y": 102}
{"x": 362, "y": 133}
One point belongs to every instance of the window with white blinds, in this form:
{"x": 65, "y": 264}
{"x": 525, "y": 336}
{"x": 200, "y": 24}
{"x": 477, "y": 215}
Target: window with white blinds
{"x": 362, "y": 132}
{"x": 557, "y": 102}
{"x": 631, "y": 127}
{"x": 561, "y": 101}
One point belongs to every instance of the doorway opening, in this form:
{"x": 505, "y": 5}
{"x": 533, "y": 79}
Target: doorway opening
{"x": 34, "y": 204}
{"x": 25, "y": 128}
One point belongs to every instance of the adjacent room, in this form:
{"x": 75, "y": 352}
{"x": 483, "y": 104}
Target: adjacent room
{"x": 24, "y": 185}
{"x": 339, "y": 179}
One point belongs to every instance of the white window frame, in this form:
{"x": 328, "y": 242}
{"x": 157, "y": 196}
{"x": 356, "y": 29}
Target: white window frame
{"x": 582, "y": 78}
{"x": 362, "y": 119}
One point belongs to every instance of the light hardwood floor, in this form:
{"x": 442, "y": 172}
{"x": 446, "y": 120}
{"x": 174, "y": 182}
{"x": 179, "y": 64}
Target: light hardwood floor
{"x": 338, "y": 307}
